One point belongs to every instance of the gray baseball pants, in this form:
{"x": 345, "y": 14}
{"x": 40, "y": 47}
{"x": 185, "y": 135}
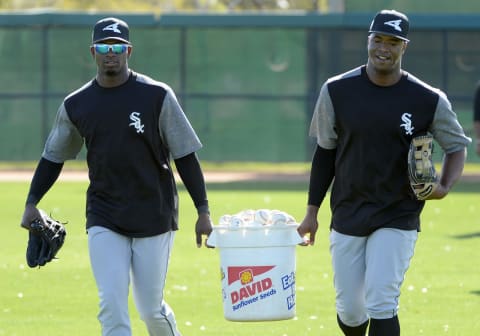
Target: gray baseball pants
{"x": 368, "y": 273}
{"x": 117, "y": 259}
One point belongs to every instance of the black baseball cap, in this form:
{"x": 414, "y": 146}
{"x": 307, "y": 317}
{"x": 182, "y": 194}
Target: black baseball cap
{"x": 110, "y": 29}
{"x": 390, "y": 22}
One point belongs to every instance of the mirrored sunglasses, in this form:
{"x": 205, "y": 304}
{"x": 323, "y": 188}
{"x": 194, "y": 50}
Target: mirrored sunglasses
{"x": 115, "y": 48}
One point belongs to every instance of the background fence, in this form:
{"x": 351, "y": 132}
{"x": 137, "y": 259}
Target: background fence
{"x": 248, "y": 83}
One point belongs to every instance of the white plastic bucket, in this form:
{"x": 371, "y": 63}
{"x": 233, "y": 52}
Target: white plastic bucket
{"x": 258, "y": 268}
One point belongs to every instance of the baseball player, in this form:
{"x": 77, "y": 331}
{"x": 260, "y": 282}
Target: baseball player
{"x": 476, "y": 118}
{"x": 131, "y": 125}
{"x": 363, "y": 123}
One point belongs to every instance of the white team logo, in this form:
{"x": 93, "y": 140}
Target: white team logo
{"x": 136, "y": 122}
{"x": 113, "y": 27}
{"x": 395, "y": 24}
{"x": 407, "y": 123}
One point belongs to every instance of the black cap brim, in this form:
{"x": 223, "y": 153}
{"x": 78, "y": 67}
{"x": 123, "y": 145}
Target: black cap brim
{"x": 111, "y": 38}
{"x": 388, "y": 34}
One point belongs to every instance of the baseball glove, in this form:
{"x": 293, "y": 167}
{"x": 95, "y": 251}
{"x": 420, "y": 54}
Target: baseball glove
{"x": 421, "y": 170}
{"x": 46, "y": 237}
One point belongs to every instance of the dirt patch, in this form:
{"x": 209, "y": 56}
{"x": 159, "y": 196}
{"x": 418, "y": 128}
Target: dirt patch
{"x": 210, "y": 176}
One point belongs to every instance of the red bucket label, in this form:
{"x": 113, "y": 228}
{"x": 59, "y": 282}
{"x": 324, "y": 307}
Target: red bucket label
{"x": 252, "y": 285}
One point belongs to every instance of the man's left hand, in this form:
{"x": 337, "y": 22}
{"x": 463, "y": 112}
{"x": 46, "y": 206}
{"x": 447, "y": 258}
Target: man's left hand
{"x": 203, "y": 227}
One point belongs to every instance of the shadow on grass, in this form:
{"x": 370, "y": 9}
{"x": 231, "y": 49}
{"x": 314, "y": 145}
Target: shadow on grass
{"x": 476, "y": 292}
{"x": 468, "y": 235}
{"x": 467, "y": 187}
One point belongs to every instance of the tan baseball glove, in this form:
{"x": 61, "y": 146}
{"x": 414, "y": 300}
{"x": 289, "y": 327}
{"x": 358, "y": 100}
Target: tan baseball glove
{"x": 421, "y": 170}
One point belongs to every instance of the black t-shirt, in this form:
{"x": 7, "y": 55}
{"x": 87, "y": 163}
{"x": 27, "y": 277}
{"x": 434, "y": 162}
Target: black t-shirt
{"x": 373, "y": 126}
{"x": 131, "y": 185}
{"x": 130, "y": 132}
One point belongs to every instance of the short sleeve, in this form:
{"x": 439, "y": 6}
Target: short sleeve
{"x": 322, "y": 126}
{"x": 175, "y": 129}
{"x": 446, "y": 128}
{"x": 64, "y": 141}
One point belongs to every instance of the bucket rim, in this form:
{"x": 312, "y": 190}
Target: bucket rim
{"x": 255, "y": 228}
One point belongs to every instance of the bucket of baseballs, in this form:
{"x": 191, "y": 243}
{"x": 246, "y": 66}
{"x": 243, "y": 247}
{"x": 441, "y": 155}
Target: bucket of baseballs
{"x": 257, "y": 264}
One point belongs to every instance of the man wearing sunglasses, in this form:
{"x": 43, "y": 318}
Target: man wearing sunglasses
{"x": 131, "y": 125}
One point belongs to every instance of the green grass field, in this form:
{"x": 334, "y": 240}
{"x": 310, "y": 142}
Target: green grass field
{"x": 441, "y": 293}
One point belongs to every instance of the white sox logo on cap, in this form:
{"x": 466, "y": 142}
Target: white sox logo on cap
{"x": 113, "y": 27}
{"x": 395, "y": 24}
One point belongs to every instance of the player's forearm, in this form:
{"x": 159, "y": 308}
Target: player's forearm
{"x": 452, "y": 168}
{"x": 44, "y": 177}
{"x": 188, "y": 168}
{"x": 312, "y": 211}
{"x": 321, "y": 175}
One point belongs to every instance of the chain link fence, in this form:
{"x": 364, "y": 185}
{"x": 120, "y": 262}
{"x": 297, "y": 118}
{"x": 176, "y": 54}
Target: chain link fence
{"x": 248, "y": 83}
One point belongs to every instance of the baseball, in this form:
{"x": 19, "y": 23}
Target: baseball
{"x": 236, "y": 222}
{"x": 262, "y": 216}
{"x": 247, "y": 215}
{"x": 225, "y": 220}
{"x": 290, "y": 219}
{"x": 279, "y": 218}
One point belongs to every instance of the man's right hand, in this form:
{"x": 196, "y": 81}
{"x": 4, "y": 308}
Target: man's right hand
{"x": 31, "y": 212}
{"x": 309, "y": 225}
